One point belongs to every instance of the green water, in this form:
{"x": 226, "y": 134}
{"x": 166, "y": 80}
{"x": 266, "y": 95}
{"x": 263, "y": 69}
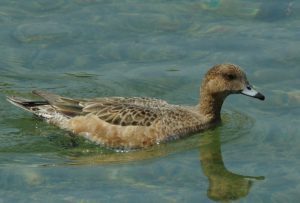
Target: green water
{"x": 155, "y": 48}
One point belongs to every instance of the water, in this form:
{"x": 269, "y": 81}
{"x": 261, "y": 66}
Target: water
{"x": 92, "y": 48}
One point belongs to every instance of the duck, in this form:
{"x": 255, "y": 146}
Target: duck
{"x": 139, "y": 122}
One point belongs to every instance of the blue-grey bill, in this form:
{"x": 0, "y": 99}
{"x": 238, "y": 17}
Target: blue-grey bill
{"x": 251, "y": 92}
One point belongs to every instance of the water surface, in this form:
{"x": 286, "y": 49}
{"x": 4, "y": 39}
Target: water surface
{"x": 162, "y": 49}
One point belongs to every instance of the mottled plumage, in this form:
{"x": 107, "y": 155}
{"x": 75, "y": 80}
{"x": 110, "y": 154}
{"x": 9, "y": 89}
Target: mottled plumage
{"x": 127, "y": 123}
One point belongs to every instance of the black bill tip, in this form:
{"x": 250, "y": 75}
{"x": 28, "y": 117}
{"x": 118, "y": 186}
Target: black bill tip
{"x": 259, "y": 96}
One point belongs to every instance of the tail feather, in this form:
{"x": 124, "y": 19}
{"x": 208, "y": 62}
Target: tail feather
{"x": 67, "y": 106}
{"x": 42, "y": 109}
{"x": 50, "y": 97}
{"x": 49, "y": 105}
{"x": 25, "y": 103}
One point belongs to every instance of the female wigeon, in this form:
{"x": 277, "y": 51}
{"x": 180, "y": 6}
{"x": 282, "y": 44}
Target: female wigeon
{"x": 130, "y": 123}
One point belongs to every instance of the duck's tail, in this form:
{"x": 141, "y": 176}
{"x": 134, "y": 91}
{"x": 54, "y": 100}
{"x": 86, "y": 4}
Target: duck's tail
{"x": 41, "y": 108}
{"x": 28, "y": 105}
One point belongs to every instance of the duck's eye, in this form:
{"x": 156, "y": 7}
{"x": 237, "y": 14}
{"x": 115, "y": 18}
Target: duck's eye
{"x": 230, "y": 76}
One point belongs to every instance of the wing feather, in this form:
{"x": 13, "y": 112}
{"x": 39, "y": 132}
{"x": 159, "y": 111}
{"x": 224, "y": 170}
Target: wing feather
{"x": 123, "y": 114}
{"x": 136, "y": 111}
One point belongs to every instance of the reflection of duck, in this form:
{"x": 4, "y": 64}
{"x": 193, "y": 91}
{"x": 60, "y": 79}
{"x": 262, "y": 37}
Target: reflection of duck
{"x": 140, "y": 122}
{"x": 223, "y": 184}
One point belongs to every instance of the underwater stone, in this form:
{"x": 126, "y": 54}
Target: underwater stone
{"x": 294, "y": 97}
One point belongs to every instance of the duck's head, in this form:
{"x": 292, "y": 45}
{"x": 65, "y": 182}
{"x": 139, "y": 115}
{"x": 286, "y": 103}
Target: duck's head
{"x": 225, "y": 79}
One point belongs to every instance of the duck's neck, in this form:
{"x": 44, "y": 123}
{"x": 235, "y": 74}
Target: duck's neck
{"x": 210, "y": 106}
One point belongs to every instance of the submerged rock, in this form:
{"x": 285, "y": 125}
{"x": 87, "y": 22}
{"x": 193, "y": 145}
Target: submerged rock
{"x": 285, "y": 99}
{"x": 275, "y": 10}
{"x": 294, "y": 97}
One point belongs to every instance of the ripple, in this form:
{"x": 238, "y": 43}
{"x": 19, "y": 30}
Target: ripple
{"x": 150, "y": 23}
{"x": 14, "y": 60}
{"x": 8, "y": 13}
{"x": 81, "y": 74}
{"x": 235, "y": 125}
{"x": 46, "y": 5}
{"x": 43, "y": 32}
{"x": 136, "y": 51}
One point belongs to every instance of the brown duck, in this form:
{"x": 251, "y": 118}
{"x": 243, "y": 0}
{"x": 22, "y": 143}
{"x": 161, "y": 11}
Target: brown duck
{"x": 130, "y": 123}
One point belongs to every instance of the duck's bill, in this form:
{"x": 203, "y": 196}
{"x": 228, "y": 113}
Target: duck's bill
{"x": 251, "y": 92}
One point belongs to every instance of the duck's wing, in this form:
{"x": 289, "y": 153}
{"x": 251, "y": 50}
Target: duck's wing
{"x": 115, "y": 110}
{"x": 64, "y": 105}
{"x": 139, "y": 101}
{"x": 122, "y": 113}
